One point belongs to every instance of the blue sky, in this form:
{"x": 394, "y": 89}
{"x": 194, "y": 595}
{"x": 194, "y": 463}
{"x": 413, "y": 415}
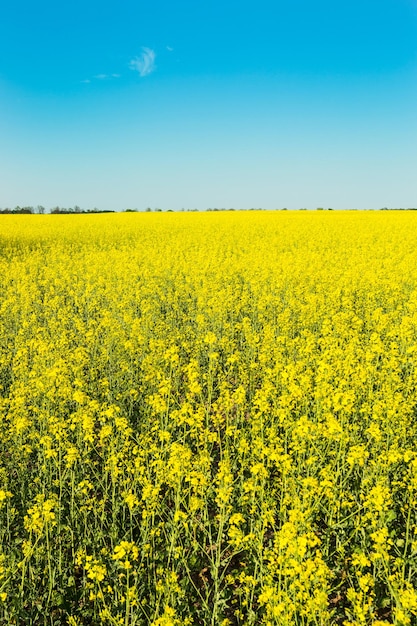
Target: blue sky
{"x": 204, "y": 104}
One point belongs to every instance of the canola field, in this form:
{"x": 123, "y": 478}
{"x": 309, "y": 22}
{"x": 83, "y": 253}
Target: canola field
{"x": 208, "y": 419}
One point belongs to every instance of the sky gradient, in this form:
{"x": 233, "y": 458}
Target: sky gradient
{"x": 199, "y": 104}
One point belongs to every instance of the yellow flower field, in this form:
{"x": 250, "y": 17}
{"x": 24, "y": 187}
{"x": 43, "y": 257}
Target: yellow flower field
{"x": 208, "y": 419}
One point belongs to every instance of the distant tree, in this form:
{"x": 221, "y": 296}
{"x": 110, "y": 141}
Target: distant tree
{"x": 22, "y": 210}
{"x": 40, "y": 209}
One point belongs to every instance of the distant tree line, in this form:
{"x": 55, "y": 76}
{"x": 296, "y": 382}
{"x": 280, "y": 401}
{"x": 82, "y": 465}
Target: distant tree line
{"x": 57, "y": 210}
{"x": 18, "y": 210}
{"x": 76, "y": 209}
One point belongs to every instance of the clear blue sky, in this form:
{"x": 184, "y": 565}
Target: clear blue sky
{"x": 209, "y": 103}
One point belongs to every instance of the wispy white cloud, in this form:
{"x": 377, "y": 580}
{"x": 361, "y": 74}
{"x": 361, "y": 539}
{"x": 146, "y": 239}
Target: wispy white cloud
{"x": 145, "y": 63}
{"x": 101, "y": 77}
{"x": 170, "y": 49}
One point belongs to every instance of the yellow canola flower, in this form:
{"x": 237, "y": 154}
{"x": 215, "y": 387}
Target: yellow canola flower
{"x": 4, "y": 496}
{"x": 169, "y": 619}
{"x": 95, "y": 569}
{"x": 41, "y": 515}
{"x": 124, "y": 551}
{"x": 131, "y": 500}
